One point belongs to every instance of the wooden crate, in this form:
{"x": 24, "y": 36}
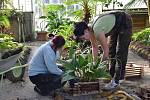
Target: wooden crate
{"x": 134, "y": 70}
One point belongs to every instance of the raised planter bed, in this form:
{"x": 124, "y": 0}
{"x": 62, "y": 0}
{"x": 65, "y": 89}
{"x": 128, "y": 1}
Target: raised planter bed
{"x": 140, "y": 49}
{"x": 85, "y": 88}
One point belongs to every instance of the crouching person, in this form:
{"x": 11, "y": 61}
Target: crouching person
{"x": 43, "y": 71}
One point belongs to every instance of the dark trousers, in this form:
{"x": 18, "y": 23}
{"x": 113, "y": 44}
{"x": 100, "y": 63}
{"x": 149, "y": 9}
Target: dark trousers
{"x": 118, "y": 47}
{"x": 46, "y": 82}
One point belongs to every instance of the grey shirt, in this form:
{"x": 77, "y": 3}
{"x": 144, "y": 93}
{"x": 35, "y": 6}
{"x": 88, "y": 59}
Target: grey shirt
{"x": 103, "y": 24}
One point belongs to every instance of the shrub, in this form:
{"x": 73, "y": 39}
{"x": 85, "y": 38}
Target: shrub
{"x": 142, "y": 36}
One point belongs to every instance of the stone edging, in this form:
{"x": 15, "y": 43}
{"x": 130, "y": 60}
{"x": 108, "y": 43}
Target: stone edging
{"x": 140, "y": 49}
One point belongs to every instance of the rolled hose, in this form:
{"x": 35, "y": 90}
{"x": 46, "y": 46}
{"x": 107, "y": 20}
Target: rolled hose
{"x": 120, "y": 94}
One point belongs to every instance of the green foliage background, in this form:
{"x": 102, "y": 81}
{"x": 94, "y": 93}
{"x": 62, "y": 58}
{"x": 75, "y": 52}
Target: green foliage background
{"x": 142, "y": 36}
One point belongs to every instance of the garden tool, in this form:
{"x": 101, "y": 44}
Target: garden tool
{"x": 120, "y": 95}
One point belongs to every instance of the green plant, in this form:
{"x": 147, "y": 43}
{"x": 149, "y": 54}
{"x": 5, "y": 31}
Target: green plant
{"x": 142, "y": 36}
{"x": 6, "y": 37}
{"x": 5, "y": 17}
{"x": 66, "y": 31}
{"x": 59, "y": 25}
{"x": 4, "y": 22}
{"x": 6, "y": 42}
{"x": 53, "y": 21}
{"x": 60, "y": 8}
{"x": 81, "y": 67}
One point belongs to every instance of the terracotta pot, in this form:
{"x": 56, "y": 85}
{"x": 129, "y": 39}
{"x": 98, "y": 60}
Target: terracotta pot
{"x": 42, "y": 36}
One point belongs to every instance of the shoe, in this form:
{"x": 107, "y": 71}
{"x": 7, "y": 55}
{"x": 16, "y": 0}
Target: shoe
{"x": 112, "y": 85}
{"x": 121, "y": 81}
{"x": 36, "y": 89}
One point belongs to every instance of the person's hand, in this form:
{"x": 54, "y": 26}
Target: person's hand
{"x": 104, "y": 58}
{"x": 64, "y": 53}
{"x": 61, "y": 49}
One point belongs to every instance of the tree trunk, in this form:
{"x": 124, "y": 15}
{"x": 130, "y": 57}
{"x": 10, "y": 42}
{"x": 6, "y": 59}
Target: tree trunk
{"x": 149, "y": 10}
{"x": 86, "y": 10}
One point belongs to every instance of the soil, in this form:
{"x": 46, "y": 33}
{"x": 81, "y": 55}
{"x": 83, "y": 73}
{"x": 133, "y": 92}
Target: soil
{"x": 24, "y": 90}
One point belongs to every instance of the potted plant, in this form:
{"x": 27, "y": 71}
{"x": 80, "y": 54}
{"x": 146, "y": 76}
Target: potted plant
{"x": 83, "y": 73}
{"x": 51, "y": 21}
{"x": 42, "y": 34}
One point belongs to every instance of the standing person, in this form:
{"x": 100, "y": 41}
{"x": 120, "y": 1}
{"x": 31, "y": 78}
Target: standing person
{"x": 43, "y": 71}
{"x": 117, "y": 25}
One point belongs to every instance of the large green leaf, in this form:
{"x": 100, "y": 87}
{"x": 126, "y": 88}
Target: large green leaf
{"x": 81, "y": 61}
{"x": 68, "y": 64}
{"x": 67, "y": 77}
{"x": 71, "y": 52}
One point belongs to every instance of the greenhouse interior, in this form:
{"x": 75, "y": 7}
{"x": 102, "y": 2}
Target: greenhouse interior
{"x": 74, "y": 49}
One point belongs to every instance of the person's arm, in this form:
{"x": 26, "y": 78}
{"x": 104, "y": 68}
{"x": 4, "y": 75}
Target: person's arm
{"x": 50, "y": 61}
{"x": 60, "y": 51}
{"x": 94, "y": 47}
{"x": 103, "y": 42}
{"x": 94, "y": 51}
